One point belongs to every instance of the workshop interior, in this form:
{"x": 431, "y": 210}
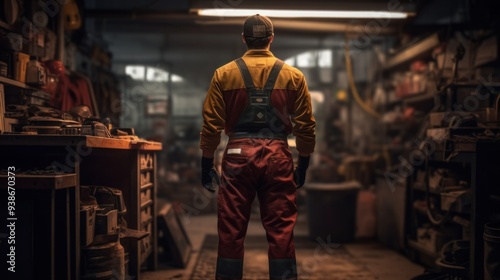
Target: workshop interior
{"x": 101, "y": 112}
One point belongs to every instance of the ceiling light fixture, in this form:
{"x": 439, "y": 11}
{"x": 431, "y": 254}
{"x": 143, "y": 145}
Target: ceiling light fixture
{"x": 302, "y": 13}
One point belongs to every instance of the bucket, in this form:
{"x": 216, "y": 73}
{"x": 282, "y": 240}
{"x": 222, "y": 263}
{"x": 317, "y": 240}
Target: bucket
{"x": 118, "y": 262}
{"x": 331, "y": 209}
{"x": 103, "y": 262}
{"x": 491, "y": 238}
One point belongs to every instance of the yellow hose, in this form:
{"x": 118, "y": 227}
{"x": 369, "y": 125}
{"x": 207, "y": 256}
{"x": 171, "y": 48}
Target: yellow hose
{"x": 352, "y": 85}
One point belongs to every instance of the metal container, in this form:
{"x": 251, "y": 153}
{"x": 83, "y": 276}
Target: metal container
{"x": 331, "y": 210}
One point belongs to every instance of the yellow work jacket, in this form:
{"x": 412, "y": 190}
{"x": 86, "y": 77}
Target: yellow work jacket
{"x": 226, "y": 99}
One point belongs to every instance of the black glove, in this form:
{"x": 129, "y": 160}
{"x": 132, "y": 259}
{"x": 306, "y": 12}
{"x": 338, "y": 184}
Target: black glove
{"x": 299, "y": 174}
{"x": 208, "y": 174}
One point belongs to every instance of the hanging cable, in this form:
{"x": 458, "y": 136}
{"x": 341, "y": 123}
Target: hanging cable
{"x": 352, "y": 85}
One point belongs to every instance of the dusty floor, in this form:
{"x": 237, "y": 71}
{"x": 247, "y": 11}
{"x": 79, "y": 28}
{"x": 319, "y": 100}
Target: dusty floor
{"x": 382, "y": 263}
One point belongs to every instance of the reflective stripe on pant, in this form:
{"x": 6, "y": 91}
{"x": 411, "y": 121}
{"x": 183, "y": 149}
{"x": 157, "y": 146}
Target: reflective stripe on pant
{"x": 261, "y": 167}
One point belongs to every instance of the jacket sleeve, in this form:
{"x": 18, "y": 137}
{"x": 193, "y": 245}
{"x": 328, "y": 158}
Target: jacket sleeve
{"x": 303, "y": 119}
{"x": 214, "y": 114}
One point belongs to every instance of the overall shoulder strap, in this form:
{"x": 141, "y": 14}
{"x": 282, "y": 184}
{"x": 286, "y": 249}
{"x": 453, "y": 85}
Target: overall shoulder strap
{"x": 245, "y": 74}
{"x": 273, "y": 76}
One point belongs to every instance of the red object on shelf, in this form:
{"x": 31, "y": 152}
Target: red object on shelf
{"x": 408, "y": 113}
{"x": 55, "y": 67}
{"x": 418, "y": 66}
{"x": 72, "y": 91}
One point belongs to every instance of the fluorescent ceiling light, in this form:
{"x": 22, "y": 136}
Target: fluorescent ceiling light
{"x": 301, "y": 13}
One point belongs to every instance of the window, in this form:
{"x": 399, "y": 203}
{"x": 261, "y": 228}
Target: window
{"x": 150, "y": 74}
{"x": 176, "y": 78}
{"x": 135, "y": 71}
{"x": 325, "y": 59}
{"x": 154, "y": 74}
{"x": 321, "y": 58}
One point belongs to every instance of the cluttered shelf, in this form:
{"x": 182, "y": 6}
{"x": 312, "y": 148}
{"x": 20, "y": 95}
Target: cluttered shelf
{"x": 412, "y": 52}
{"x": 463, "y": 152}
{"x": 468, "y": 156}
{"x": 485, "y": 84}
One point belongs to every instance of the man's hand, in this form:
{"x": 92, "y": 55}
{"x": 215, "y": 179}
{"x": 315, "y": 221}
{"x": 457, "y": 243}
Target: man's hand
{"x": 208, "y": 174}
{"x": 299, "y": 174}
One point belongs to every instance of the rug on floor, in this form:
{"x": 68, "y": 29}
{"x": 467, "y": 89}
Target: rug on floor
{"x": 316, "y": 260}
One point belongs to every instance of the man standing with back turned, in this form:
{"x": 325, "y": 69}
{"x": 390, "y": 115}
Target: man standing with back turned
{"x": 258, "y": 100}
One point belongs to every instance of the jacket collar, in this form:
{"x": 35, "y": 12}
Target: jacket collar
{"x": 258, "y": 53}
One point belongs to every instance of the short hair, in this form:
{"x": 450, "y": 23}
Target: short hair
{"x": 257, "y": 43}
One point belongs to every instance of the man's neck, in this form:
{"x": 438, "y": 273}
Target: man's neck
{"x": 264, "y": 49}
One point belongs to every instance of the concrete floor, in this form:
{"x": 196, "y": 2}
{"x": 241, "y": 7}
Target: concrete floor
{"x": 383, "y": 263}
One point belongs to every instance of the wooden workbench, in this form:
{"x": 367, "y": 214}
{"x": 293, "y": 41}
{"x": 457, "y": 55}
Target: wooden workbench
{"x": 128, "y": 165}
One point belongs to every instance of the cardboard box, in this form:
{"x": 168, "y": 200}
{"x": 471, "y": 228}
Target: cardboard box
{"x": 20, "y": 64}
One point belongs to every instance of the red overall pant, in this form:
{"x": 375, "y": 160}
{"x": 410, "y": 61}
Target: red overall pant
{"x": 261, "y": 167}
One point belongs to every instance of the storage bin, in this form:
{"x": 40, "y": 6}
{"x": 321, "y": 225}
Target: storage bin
{"x": 331, "y": 210}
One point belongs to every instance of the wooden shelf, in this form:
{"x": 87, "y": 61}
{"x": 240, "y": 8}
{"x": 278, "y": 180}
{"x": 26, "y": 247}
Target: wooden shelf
{"x": 4, "y": 80}
{"x": 87, "y": 141}
{"x": 414, "y": 51}
{"x": 147, "y": 169}
{"x": 472, "y": 85}
{"x": 410, "y": 100}
{"x": 416, "y": 98}
{"x": 147, "y": 186}
{"x": 43, "y": 181}
{"x": 146, "y": 204}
